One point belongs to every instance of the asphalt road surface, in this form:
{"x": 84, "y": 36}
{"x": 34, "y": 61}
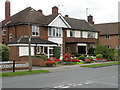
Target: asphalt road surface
{"x": 76, "y": 77}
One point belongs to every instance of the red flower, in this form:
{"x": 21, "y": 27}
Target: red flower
{"x": 87, "y": 60}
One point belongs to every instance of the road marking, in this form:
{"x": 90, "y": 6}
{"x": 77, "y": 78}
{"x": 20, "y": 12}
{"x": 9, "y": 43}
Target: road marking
{"x": 86, "y": 82}
{"x": 66, "y": 87}
{"x": 79, "y": 84}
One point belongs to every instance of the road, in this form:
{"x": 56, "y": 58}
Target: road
{"x": 76, "y": 77}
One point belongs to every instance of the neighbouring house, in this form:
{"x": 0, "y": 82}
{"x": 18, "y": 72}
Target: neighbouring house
{"x": 109, "y": 34}
{"x": 46, "y": 31}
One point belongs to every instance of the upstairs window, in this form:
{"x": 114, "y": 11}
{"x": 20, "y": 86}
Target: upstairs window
{"x": 4, "y": 31}
{"x": 107, "y": 36}
{"x": 81, "y": 34}
{"x": 91, "y": 35}
{"x": 55, "y": 32}
{"x": 10, "y": 37}
{"x": 118, "y": 36}
{"x": 35, "y": 31}
{"x": 72, "y": 34}
{"x": 117, "y": 47}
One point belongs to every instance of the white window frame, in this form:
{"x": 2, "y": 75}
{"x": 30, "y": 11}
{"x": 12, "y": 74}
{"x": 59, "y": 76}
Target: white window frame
{"x": 107, "y": 36}
{"x": 10, "y": 37}
{"x": 52, "y": 32}
{"x": 4, "y": 31}
{"x": 35, "y": 29}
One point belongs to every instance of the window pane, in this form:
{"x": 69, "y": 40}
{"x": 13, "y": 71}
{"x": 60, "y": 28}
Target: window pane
{"x": 53, "y": 31}
{"x": 45, "y": 50}
{"x": 37, "y": 33}
{"x": 4, "y": 31}
{"x": 60, "y": 31}
{"x": 51, "y": 51}
{"x": 56, "y": 32}
{"x": 71, "y": 33}
{"x": 90, "y": 34}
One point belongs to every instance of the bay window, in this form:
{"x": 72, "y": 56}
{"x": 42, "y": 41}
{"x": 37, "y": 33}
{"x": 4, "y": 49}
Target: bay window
{"x": 55, "y": 32}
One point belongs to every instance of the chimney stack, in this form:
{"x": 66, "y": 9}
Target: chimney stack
{"x": 40, "y": 11}
{"x": 7, "y": 11}
{"x": 90, "y": 19}
{"x": 66, "y": 16}
{"x": 55, "y": 10}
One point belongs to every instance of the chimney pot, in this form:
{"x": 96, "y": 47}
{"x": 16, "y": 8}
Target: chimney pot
{"x": 90, "y": 19}
{"x": 66, "y": 16}
{"x": 55, "y": 10}
{"x": 40, "y": 11}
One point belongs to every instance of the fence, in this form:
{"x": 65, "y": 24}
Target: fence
{"x": 12, "y": 65}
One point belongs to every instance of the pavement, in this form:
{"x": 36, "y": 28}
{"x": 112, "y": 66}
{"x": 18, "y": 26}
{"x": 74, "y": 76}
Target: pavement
{"x": 59, "y": 67}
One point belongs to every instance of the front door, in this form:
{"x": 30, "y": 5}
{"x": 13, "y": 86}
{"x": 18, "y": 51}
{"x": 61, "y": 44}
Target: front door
{"x": 81, "y": 49}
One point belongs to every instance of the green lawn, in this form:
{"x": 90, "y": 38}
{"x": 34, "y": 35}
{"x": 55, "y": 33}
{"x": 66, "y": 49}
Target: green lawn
{"x": 22, "y": 73}
{"x": 100, "y": 65}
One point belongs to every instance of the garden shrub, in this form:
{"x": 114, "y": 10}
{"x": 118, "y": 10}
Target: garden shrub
{"x": 5, "y": 52}
{"x": 99, "y": 56}
{"x": 91, "y": 51}
{"x": 50, "y": 63}
{"x": 57, "y": 52}
{"x": 108, "y": 53}
{"x": 44, "y": 57}
{"x": 82, "y": 57}
{"x": 91, "y": 58}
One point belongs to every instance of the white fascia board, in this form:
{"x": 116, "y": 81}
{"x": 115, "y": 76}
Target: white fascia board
{"x": 47, "y": 45}
{"x": 62, "y": 19}
{"x": 20, "y": 44}
{"x": 81, "y": 44}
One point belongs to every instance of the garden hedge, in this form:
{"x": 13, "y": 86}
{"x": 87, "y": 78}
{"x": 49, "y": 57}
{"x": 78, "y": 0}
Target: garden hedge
{"x": 5, "y": 52}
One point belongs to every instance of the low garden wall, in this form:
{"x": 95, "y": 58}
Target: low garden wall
{"x": 36, "y": 61}
{"x": 8, "y": 65}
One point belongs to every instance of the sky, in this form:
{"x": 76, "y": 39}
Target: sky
{"x": 103, "y": 11}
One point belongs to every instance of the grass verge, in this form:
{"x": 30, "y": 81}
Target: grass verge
{"x": 100, "y": 65}
{"x": 22, "y": 73}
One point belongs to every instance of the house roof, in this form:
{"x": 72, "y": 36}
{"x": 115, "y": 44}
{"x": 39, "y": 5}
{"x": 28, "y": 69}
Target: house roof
{"x": 34, "y": 40}
{"x": 80, "y": 24}
{"x": 35, "y": 17}
{"x": 108, "y": 28}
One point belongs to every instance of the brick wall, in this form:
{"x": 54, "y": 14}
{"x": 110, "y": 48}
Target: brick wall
{"x": 22, "y": 30}
{"x": 72, "y": 47}
{"x": 0, "y": 35}
{"x": 112, "y": 42}
{"x": 82, "y": 40}
{"x": 14, "y": 52}
{"x": 14, "y": 55}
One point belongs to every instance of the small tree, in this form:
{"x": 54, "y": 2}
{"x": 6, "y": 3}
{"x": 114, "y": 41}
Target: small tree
{"x": 57, "y": 52}
{"x": 5, "y": 52}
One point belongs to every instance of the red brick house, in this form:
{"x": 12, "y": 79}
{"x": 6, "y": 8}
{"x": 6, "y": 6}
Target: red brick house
{"x": 109, "y": 34}
{"x": 46, "y": 31}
